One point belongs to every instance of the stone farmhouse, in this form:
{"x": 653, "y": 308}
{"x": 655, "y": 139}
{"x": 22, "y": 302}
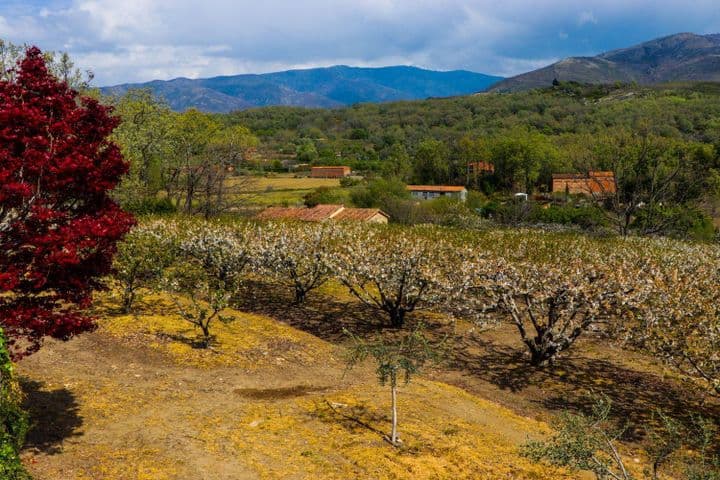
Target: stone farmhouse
{"x": 330, "y": 172}
{"x": 593, "y": 184}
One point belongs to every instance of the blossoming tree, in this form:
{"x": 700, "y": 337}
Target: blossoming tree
{"x": 553, "y": 300}
{"x": 396, "y": 272}
{"x": 208, "y": 273}
{"x": 297, "y": 255}
{"x": 681, "y": 321}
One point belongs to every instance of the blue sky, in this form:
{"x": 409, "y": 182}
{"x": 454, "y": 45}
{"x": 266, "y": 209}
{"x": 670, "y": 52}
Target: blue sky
{"x": 139, "y": 40}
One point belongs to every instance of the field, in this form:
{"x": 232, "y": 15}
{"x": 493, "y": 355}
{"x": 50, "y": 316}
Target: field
{"x": 281, "y": 189}
{"x": 273, "y": 399}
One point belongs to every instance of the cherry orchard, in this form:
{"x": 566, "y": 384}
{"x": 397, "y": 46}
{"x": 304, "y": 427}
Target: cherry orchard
{"x": 58, "y": 224}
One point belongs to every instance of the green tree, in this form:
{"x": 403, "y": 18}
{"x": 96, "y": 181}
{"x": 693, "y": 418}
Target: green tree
{"x": 651, "y": 173}
{"x": 396, "y": 359}
{"x": 232, "y": 145}
{"x": 60, "y": 65}
{"x": 520, "y": 156}
{"x": 144, "y": 136}
{"x": 471, "y": 149}
{"x": 306, "y": 151}
{"x": 141, "y": 260}
{"x": 378, "y": 192}
{"x": 397, "y": 164}
{"x": 432, "y": 165}
{"x": 191, "y": 163}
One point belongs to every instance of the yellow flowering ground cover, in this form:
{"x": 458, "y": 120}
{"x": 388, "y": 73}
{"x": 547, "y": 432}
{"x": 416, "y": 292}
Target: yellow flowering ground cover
{"x": 135, "y": 400}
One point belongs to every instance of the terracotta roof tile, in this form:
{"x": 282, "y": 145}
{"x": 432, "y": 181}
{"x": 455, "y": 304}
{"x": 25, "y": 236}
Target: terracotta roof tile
{"x": 435, "y": 188}
{"x": 360, "y": 214}
{"x": 319, "y": 213}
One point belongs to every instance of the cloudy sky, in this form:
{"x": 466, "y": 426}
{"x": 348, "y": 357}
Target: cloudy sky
{"x": 139, "y": 40}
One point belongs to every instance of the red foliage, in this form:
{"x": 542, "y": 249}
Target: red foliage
{"x": 58, "y": 225}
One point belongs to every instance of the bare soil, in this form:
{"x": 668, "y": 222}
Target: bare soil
{"x": 143, "y": 404}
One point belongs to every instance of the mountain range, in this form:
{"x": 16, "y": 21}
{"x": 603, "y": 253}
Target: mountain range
{"x": 317, "y": 87}
{"x": 684, "y": 57}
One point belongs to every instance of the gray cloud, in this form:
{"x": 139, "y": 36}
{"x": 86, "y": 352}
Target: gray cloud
{"x": 137, "y": 40}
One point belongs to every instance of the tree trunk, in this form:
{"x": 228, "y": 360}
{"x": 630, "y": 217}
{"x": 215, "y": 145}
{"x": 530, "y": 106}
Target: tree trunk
{"x": 206, "y": 335}
{"x": 128, "y": 299}
{"x": 542, "y": 357}
{"x": 542, "y": 351}
{"x": 300, "y": 295}
{"x": 397, "y": 317}
{"x": 394, "y": 433}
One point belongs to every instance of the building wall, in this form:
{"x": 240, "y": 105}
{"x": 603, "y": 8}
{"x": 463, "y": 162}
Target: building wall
{"x": 329, "y": 172}
{"x": 378, "y": 219}
{"x": 424, "y": 195}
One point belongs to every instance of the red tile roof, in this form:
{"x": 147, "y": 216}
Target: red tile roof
{"x": 320, "y": 213}
{"x": 359, "y": 214}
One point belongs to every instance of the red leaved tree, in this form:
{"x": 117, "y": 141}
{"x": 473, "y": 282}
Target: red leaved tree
{"x": 58, "y": 225}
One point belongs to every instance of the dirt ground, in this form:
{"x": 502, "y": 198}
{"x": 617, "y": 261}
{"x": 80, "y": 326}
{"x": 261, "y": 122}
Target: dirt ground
{"x": 135, "y": 400}
{"x": 273, "y": 398}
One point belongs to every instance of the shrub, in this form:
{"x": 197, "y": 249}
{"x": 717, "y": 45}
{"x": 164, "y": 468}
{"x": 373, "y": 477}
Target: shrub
{"x": 588, "y": 217}
{"x": 683, "y": 221}
{"x": 378, "y": 192}
{"x": 142, "y": 257}
{"x": 323, "y": 195}
{"x": 151, "y": 206}
{"x": 584, "y": 442}
{"x": 13, "y": 420}
{"x": 347, "y": 182}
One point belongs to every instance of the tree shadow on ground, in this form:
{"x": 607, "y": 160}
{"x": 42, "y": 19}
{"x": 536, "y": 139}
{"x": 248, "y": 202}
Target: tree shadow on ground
{"x": 321, "y": 315}
{"x": 195, "y": 342}
{"x": 499, "y": 360}
{"x": 353, "y": 418}
{"x": 54, "y": 416}
{"x": 573, "y": 381}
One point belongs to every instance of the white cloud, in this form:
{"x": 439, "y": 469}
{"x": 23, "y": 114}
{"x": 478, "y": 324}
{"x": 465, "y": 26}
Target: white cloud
{"x": 136, "y": 40}
{"x": 587, "y": 17}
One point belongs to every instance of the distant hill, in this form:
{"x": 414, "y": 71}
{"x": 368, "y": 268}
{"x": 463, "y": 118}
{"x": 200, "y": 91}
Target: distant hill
{"x": 677, "y": 58}
{"x": 318, "y": 87}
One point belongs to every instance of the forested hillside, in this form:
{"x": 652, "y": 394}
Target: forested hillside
{"x": 576, "y": 123}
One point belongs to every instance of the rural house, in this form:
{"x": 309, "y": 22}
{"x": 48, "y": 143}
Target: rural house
{"x": 594, "y": 183}
{"x": 428, "y": 192}
{"x": 322, "y": 213}
{"x": 475, "y": 169}
{"x": 330, "y": 172}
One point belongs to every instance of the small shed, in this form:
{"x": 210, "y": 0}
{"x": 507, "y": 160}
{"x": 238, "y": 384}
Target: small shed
{"x": 429, "y": 192}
